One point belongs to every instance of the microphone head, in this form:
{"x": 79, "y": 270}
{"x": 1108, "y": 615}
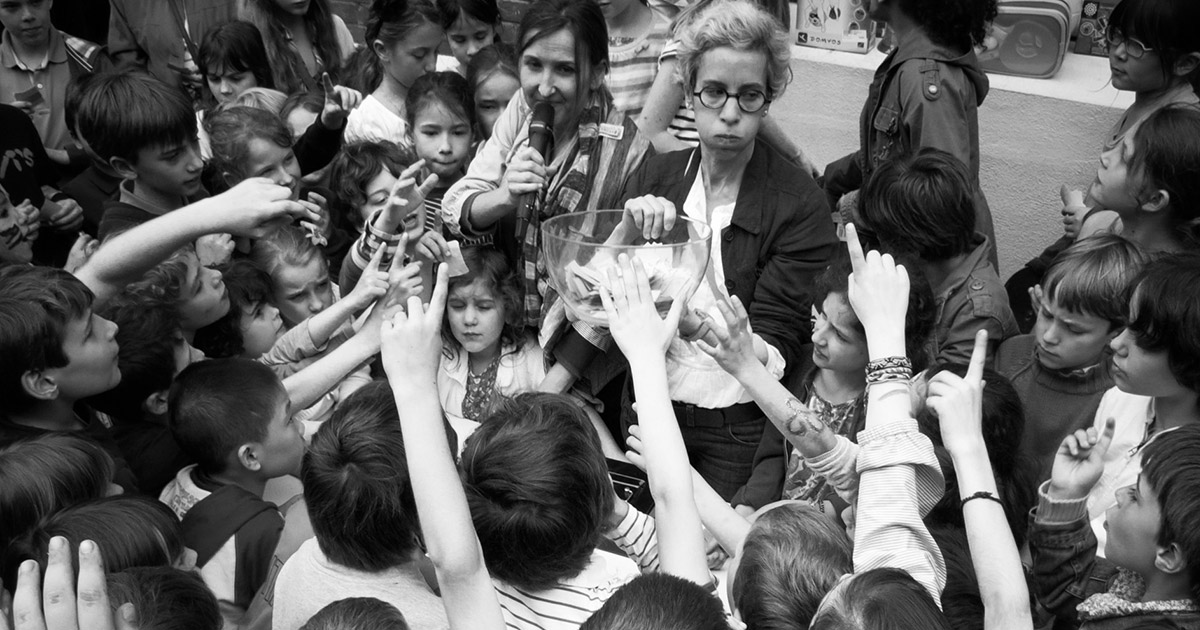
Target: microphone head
{"x": 543, "y": 118}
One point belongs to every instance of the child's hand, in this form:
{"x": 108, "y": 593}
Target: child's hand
{"x": 633, "y": 319}
{"x": 372, "y": 285}
{"x": 28, "y": 219}
{"x": 412, "y": 341}
{"x": 1080, "y": 462}
{"x": 432, "y": 246}
{"x": 958, "y": 403}
{"x": 732, "y": 349}
{"x": 406, "y": 196}
{"x": 81, "y": 252}
{"x": 256, "y": 207}
{"x": 65, "y": 215}
{"x": 338, "y": 103}
{"x": 650, "y": 215}
{"x": 404, "y": 281}
{"x": 214, "y": 249}
{"x": 321, "y": 230}
{"x": 635, "y": 448}
{"x": 878, "y": 291}
{"x": 56, "y": 606}
{"x": 1036, "y": 297}
{"x": 1073, "y": 211}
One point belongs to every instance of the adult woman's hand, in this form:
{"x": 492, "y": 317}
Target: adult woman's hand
{"x": 525, "y": 173}
{"x": 651, "y": 215}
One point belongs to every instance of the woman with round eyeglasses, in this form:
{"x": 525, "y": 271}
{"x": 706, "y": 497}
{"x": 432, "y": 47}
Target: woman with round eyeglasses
{"x": 772, "y": 230}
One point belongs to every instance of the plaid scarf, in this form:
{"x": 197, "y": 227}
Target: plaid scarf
{"x": 592, "y": 176}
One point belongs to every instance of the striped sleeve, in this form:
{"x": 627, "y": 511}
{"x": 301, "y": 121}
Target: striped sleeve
{"x": 633, "y": 66}
{"x": 637, "y": 536}
{"x": 899, "y": 480}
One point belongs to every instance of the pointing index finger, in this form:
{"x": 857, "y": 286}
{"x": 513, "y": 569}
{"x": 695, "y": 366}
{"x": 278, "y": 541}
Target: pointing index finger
{"x": 857, "y": 259}
{"x": 978, "y": 358}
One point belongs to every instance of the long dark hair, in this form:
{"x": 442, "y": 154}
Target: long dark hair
{"x": 236, "y": 46}
{"x": 289, "y": 72}
{"x": 389, "y": 21}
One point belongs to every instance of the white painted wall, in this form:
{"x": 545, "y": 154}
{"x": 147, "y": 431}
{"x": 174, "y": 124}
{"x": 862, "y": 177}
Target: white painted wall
{"x": 1035, "y": 135}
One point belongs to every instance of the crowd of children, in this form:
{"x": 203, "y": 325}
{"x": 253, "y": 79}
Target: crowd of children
{"x": 303, "y": 367}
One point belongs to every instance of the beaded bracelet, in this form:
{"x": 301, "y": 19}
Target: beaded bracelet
{"x": 888, "y": 363}
{"x": 889, "y": 375}
{"x": 982, "y": 494}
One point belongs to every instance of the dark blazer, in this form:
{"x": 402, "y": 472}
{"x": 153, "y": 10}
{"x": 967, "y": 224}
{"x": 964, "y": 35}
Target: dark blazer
{"x": 780, "y": 238}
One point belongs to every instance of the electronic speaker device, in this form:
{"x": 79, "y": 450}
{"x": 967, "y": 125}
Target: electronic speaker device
{"x": 1028, "y": 38}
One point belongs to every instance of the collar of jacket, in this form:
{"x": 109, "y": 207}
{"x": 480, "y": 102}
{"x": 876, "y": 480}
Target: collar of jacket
{"x": 757, "y": 180}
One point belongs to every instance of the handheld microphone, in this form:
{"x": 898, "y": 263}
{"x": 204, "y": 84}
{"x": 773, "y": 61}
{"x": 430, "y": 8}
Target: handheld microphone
{"x": 541, "y": 137}
{"x": 541, "y": 128}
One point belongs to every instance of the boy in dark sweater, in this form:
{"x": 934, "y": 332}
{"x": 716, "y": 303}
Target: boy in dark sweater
{"x": 1063, "y": 368}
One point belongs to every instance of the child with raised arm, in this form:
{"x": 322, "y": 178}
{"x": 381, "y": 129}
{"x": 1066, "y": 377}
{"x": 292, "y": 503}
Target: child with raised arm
{"x": 892, "y": 453}
{"x": 958, "y": 403}
{"x": 412, "y": 352}
{"x": 1149, "y": 579}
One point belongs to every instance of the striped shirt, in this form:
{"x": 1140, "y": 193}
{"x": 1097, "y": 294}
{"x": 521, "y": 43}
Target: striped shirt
{"x": 683, "y": 126}
{"x": 632, "y": 66}
{"x": 898, "y": 481}
{"x": 568, "y": 604}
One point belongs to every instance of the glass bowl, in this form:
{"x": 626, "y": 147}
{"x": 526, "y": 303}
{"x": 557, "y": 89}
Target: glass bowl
{"x": 579, "y": 249}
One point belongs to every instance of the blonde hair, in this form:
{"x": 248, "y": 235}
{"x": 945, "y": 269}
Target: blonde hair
{"x": 740, "y": 25}
{"x": 258, "y": 98}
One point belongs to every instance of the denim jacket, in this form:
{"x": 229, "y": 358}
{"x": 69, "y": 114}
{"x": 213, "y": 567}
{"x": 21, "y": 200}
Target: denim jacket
{"x": 1067, "y": 572}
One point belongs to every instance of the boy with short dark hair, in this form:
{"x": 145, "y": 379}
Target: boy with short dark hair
{"x": 924, "y": 205}
{"x": 360, "y": 503}
{"x": 1064, "y": 367}
{"x": 146, "y": 131}
{"x": 233, "y": 417}
{"x": 1151, "y": 577}
{"x": 56, "y": 352}
{"x": 152, "y": 352}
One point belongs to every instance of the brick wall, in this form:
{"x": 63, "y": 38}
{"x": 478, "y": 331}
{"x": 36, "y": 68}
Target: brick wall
{"x": 354, "y": 12}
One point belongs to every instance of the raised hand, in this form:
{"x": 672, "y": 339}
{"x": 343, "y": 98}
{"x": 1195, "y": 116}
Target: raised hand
{"x": 878, "y": 293}
{"x": 431, "y": 246}
{"x": 214, "y": 249}
{"x": 1073, "y": 210}
{"x": 372, "y": 285}
{"x": 320, "y": 230}
{"x": 412, "y": 341}
{"x": 633, "y": 319}
{"x": 406, "y": 196}
{"x": 1079, "y": 461}
{"x": 63, "y": 602}
{"x": 339, "y": 101}
{"x": 732, "y": 348}
{"x": 404, "y": 281}
{"x": 958, "y": 402}
{"x": 256, "y": 207}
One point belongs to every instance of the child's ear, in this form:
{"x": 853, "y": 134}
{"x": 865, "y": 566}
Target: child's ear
{"x": 381, "y": 50}
{"x": 122, "y": 167}
{"x": 1170, "y": 560}
{"x": 247, "y": 455}
{"x": 39, "y": 385}
{"x": 1186, "y": 64}
{"x": 1158, "y": 201}
{"x": 156, "y": 403}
